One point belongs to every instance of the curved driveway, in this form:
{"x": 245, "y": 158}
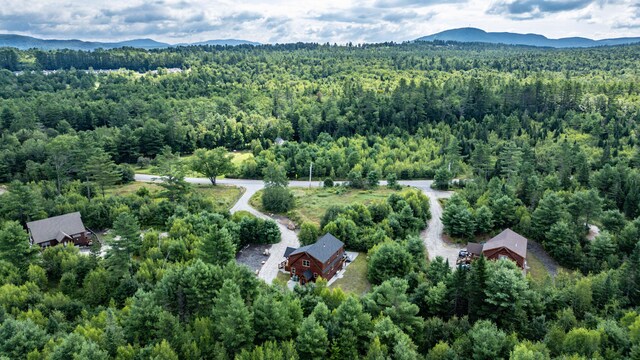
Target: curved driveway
{"x": 432, "y": 236}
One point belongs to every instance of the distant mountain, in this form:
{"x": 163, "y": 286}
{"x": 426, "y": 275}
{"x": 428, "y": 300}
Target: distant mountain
{"x": 232, "y": 42}
{"x": 478, "y": 35}
{"x": 27, "y": 42}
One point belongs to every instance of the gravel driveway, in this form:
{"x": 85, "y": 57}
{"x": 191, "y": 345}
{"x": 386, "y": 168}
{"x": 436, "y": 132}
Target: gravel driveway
{"x": 432, "y": 236}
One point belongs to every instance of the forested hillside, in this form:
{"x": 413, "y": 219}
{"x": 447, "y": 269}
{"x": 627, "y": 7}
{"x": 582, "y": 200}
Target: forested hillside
{"x": 543, "y": 141}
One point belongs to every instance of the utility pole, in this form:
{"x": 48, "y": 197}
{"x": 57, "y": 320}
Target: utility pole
{"x": 310, "y": 171}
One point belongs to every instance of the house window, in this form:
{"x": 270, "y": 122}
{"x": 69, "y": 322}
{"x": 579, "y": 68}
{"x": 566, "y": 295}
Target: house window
{"x": 501, "y": 257}
{"x": 293, "y": 270}
{"x": 306, "y": 263}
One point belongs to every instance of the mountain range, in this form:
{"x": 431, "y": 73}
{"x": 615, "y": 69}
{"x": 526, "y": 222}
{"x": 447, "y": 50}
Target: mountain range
{"x": 481, "y": 36}
{"x": 28, "y": 42}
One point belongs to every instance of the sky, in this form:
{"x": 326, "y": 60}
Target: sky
{"x": 334, "y": 21}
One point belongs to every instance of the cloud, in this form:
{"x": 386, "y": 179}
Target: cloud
{"x": 365, "y": 15}
{"x": 341, "y": 21}
{"x": 535, "y": 9}
{"x": 414, "y": 3}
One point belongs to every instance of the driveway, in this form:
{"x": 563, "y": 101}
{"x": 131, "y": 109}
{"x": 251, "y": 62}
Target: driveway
{"x": 432, "y": 236}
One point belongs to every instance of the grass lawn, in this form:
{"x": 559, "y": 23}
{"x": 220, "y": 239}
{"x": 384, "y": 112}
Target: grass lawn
{"x": 355, "y": 280}
{"x": 311, "y": 204}
{"x": 537, "y": 270}
{"x": 222, "y": 196}
{"x": 282, "y": 277}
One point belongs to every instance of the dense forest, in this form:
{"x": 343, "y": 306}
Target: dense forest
{"x": 544, "y": 141}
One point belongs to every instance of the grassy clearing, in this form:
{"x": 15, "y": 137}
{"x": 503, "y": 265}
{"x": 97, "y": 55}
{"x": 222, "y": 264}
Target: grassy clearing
{"x": 537, "y": 270}
{"x": 131, "y": 188}
{"x": 355, "y": 279}
{"x": 237, "y": 158}
{"x": 311, "y": 204}
{"x": 222, "y": 196}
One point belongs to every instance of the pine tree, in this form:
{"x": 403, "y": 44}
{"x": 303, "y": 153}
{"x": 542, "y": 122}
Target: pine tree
{"x": 312, "y": 341}
{"x": 217, "y": 247}
{"x": 270, "y": 319}
{"x": 172, "y": 172}
{"x": 14, "y": 245}
{"x": 477, "y": 285}
{"x": 121, "y": 251}
{"x": 101, "y": 170}
{"x": 233, "y": 320}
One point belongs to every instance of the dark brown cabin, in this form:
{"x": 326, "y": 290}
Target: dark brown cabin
{"x": 321, "y": 259}
{"x": 506, "y": 245}
{"x": 63, "y": 229}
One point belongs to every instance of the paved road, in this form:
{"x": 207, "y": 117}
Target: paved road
{"x": 432, "y": 236}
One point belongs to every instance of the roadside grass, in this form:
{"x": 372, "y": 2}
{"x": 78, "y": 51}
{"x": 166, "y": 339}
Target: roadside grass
{"x": 311, "y": 204}
{"x": 537, "y": 270}
{"x": 223, "y": 197}
{"x": 355, "y": 279}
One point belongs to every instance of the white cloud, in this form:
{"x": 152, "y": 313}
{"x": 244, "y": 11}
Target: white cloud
{"x": 318, "y": 21}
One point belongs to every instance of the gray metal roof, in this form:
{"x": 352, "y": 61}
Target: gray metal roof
{"x": 323, "y": 249}
{"x": 56, "y": 228}
{"x": 509, "y": 239}
{"x": 288, "y": 251}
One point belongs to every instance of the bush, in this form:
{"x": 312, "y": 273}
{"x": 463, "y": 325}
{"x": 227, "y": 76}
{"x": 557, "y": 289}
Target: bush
{"x": 309, "y": 233}
{"x": 127, "y": 173}
{"x": 328, "y": 182}
{"x": 388, "y": 260}
{"x": 442, "y": 179}
{"x": 277, "y": 199}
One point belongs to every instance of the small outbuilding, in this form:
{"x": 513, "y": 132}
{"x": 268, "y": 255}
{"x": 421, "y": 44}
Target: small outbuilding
{"x": 323, "y": 259}
{"x": 63, "y": 229}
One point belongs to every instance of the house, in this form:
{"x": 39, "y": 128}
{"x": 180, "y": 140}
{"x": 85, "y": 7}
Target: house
{"x": 324, "y": 258}
{"x": 67, "y": 228}
{"x": 506, "y": 245}
{"x": 279, "y": 141}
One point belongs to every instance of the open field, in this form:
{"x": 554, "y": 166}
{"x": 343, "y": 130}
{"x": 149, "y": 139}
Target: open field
{"x": 238, "y": 158}
{"x": 311, "y": 204}
{"x": 222, "y": 196}
{"x": 355, "y": 279}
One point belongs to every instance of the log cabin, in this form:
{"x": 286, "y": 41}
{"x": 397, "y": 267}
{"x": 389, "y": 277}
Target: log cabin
{"x": 63, "y": 229}
{"x": 323, "y": 259}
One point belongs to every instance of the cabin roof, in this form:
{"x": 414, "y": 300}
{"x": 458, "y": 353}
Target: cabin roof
{"x": 321, "y": 250}
{"x": 56, "y": 228}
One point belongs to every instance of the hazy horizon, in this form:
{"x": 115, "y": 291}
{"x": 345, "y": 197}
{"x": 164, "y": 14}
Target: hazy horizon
{"x": 281, "y": 21}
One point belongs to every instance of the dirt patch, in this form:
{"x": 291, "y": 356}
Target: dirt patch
{"x": 253, "y": 256}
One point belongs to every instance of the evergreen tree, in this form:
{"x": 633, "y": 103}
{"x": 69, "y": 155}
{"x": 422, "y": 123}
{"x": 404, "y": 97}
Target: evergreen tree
{"x": 101, "y": 170}
{"x": 478, "y": 278}
{"x": 172, "y": 173}
{"x": 312, "y": 341}
{"x": 234, "y": 321}
{"x": 14, "y": 245}
{"x": 125, "y": 244}
{"x": 217, "y": 247}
